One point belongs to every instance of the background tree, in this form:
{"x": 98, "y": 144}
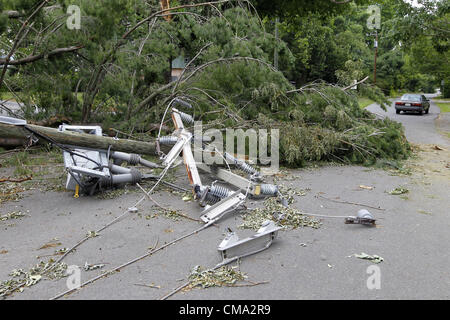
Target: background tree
{"x": 115, "y": 70}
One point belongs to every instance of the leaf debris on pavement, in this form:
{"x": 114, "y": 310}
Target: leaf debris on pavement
{"x": 373, "y": 258}
{"x": 89, "y": 267}
{"x": 424, "y": 212}
{"x": 172, "y": 214}
{"x": 187, "y": 196}
{"x": 92, "y": 234}
{"x": 398, "y": 191}
{"x": 289, "y": 192}
{"x": 286, "y": 217}
{"x": 13, "y": 215}
{"x": 206, "y": 278}
{"x": 11, "y": 191}
{"x": 20, "y": 278}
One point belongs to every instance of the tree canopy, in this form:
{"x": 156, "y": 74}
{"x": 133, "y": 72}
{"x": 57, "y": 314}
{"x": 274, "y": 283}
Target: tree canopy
{"x": 244, "y": 69}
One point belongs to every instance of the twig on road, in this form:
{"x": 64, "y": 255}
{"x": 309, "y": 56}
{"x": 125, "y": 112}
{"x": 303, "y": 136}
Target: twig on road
{"x": 353, "y": 203}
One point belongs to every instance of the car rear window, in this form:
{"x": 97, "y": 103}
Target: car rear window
{"x": 411, "y": 97}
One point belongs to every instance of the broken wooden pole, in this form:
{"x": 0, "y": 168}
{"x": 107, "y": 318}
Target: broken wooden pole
{"x": 11, "y": 142}
{"x": 78, "y": 139}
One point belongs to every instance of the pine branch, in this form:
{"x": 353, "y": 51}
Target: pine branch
{"x": 36, "y": 57}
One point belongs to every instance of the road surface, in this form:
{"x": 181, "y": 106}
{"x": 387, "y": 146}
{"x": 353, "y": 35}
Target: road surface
{"x": 411, "y": 236}
{"x": 11, "y": 105}
{"x": 418, "y": 128}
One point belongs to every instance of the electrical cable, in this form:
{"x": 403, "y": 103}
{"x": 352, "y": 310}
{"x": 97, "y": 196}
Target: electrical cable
{"x": 62, "y": 147}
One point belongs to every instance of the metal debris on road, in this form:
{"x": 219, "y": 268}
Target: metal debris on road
{"x": 231, "y": 248}
{"x": 363, "y": 217}
{"x": 133, "y": 210}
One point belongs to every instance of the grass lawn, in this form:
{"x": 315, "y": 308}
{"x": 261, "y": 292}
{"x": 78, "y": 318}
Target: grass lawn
{"x": 7, "y": 96}
{"x": 11, "y": 97}
{"x": 364, "y": 102}
{"x": 445, "y": 107}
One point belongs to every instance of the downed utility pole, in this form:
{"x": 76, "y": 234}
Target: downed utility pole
{"x": 11, "y": 129}
{"x": 221, "y": 200}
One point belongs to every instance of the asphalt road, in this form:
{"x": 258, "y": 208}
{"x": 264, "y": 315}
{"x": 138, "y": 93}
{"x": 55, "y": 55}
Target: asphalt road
{"x": 11, "y": 105}
{"x": 412, "y": 236}
{"x": 418, "y": 128}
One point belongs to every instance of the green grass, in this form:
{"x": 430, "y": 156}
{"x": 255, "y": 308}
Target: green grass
{"x": 6, "y": 96}
{"x": 36, "y": 162}
{"x": 12, "y": 97}
{"x": 445, "y": 107}
{"x": 364, "y": 102}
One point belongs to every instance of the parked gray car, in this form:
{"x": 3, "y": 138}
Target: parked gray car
{"x": 413, "y": 102}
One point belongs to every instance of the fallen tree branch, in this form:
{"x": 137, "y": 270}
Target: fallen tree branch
{"x": 198, "y": 69}
{"x": 353, "y": 203}
{"x": 227, "y": 60}
{"x": 189, "y": 63}
{"x": 34, "y": 58}
{"x": 355, "y": 84}
{"x": 98, "y": 75}
{"x": 126, "y": 34}
{"x": 15, "y": 180}
{"x": 341, "y": 2}
{"x": 17, "y": 39}
{"x": 249, "y": 284}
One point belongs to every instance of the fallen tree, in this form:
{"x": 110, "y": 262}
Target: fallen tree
{"x": 230, "y": 81}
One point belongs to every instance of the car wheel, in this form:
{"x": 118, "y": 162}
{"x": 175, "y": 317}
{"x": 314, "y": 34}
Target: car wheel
{"x": 397, "y": 111}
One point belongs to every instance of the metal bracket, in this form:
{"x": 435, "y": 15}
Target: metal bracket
{"x": 356, "y": 220}
{"x": 216, "y": 211}
{"x": 176, "y": 150}
{"x": 81, "y": 166}
{"x": 231, "y": 248}
{"x": 31, "y": 140}
{"x": 363, "y": 217}
{"x": 89, "y": 172}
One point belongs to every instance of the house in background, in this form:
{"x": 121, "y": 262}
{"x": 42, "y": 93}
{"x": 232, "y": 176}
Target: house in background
{"x": 178, "y": 66}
